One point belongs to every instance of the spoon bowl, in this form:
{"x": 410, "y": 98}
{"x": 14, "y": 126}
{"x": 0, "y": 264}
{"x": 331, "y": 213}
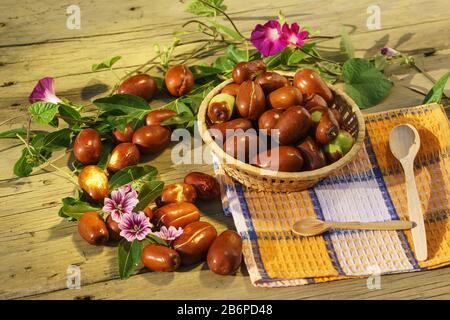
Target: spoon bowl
{"x": 404, "y": 142}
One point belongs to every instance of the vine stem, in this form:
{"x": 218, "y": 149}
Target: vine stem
{"x": 317, "y": 57}
{"x": 226, "y": 16}
{"x": 32, "y": 150}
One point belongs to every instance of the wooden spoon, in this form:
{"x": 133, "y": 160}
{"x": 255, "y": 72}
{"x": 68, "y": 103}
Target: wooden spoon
{"x": 404, "y": 142}
{"x": 312, "y": 227}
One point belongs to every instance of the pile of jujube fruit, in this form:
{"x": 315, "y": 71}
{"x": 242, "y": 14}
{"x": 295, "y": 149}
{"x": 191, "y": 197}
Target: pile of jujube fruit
{"x": 300, "y": 116}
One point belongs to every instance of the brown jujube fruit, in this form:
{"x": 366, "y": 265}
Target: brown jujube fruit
{"x": 242, "y": 146}
{"x": 160, "y": 258}
{"x": 148, "y": 212}
{"x": 333, "y": 152}
{"x": 309, "y": 82}
{"x": 231, "y": 89}
{"x": 315, "y": 100}
{"x": 87, "y": 147}
{"x": 126, "y": 135}
{"x": 270, "y": 81}
{"x": 151, "y": 139}
{"x": 178, "y": 192}
{"x": 158, "y": 116}
{"x": 141, "y": 85}
{"x": 289, "y": 159}
{"x": 219, "y": 112}
{"x": 113, "y": 229}
{"x": 207, "y": 186}
{"x": 250, "y": 100}
{"x": 285, "y": 97}
{"x": 327, "y": 129}
{"x": 293, "y": 125}
{"x": 235, "y": 124}
{"x": 94, "y": 182}
{"x": 179, "y": 80}
{"x": 248, "y": 70}
{"x": 313, "y": 155}
{"x": 176, "y": 215}
{"x": 193, "y": 244}
{"x": 123, "y": 155}
{"x": 269, "y": 119}
{"x": 225, "y": 254}
{"x": 92, "y": 228}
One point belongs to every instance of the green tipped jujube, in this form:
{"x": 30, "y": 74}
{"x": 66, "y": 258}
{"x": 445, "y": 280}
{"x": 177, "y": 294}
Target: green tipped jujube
{"x": 220, "y": 108}
{"x": 344, "y": 140}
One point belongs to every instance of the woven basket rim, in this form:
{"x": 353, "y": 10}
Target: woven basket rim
{"x": 301, "y": 175}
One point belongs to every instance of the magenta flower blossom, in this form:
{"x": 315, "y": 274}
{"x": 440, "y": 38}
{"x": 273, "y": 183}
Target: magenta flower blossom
{"x": 122, "y": 201}
{"x": 268, "y": 38}
{"x": 389, "y": 52}
{"x": 135, "y": 226}
{"x": 44, "y": 91}
{"x": 169, "y": 234}
{"x": 293, "y": 34}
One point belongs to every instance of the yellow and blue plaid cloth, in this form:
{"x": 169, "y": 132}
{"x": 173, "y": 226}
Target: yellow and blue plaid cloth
{"x": 370, "y": 188}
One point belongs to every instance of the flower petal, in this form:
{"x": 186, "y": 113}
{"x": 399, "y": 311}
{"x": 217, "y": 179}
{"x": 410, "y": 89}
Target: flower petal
{"x": 44, "y": 91}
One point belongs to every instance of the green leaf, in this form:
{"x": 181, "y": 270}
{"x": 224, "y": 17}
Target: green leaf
{"x": 226, "y": 31}
{"x": 436, "y": 92}
{"x": 74, "y": 208}
{"x": 346, "y": 45}
{"x": 69, "y": 114}
{"x": 274, "y": 61}
{"x": 151, "y": 238}
{"x": 182, "y": 118}
{"x": 13, "y": 133}
{"x": 198, "y": 8}
{"x": 201, "y": 72}
{"x": 129, "y": 255}
{"x": 236, "y": 55}
{"x": 296, "y": 57}
{"x": 148, "y": 193}
{"x": 380, "y": 62}
{"x": 364, "y": 83}
{"x": 133, "y": 173}
{"x": 104, "y": 157}
{"x": 23, "y": 166}
{"x": 43, "y": 112}
{"x": 123, "y": 103}
{"x": 58, "y": 139}
{"x": 224, "y": 64}
{"x": 27, "y": 161}
{"x": 105, "y": 64}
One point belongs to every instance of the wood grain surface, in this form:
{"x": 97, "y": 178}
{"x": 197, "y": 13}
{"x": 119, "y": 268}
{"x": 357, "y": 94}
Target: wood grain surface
{"x": 37, "y": 246}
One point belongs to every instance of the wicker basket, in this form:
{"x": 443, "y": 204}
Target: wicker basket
{"x": 268, "y": 180}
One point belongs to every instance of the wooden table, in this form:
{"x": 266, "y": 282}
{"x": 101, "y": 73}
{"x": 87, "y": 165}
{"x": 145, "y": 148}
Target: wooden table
{"x": 37, "y": 246}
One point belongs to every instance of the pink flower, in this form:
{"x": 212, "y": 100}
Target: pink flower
{"x": 135, "y": 226}
{"x": 44, "y": 91}
{"x": 122, "y": 201}
{"x": 169, "y": 234}
{"x": 293, "y": 34}
{"x": 268, "y": 38}
{"x": 389, "y": 52}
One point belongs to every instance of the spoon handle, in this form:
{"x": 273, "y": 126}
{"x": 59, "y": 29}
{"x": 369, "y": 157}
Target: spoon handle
{"x": 415, "y": 213}
{"x": 385, "y": 225}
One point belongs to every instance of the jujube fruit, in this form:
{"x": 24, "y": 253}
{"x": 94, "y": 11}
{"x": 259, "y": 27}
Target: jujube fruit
{"x": 87, "y": 147}
{"x": 92, "y": 228}
{"x": 141, "y": 85}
